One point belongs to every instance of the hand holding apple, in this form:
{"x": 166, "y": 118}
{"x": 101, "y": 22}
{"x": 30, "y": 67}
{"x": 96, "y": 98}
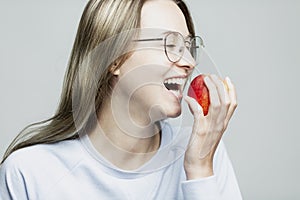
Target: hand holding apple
{"x": 218, "y": 101}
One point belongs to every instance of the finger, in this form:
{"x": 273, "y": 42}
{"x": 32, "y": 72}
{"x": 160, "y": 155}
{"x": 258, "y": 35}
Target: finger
{"x": 233, "y": 99}
{"x": 214, "y": 107}
{"x": 222, "y": 89}
{"x": 226, "y": 91}
{"x": 198, "y": 114}
{"x": 231, "y": 89}
{"x": 223, "y": 96}
{"x": 194, "y": 107}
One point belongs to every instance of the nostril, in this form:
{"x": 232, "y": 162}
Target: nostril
{"x": 187, "y": 68}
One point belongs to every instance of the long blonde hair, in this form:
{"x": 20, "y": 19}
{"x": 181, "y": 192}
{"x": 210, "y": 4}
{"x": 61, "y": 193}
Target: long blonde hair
{"x": 101, "y": 19}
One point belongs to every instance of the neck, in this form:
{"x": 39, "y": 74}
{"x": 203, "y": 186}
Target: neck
{"x": 122, "y": 142}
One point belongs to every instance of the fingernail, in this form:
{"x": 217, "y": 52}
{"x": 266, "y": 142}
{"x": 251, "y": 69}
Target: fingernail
{"x": 228, "y": 80}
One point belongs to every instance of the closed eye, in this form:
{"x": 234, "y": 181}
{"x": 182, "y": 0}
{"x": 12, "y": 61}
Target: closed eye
{"x": 171, "y": 45}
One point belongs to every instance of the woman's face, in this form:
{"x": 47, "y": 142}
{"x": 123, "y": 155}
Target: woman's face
{"x": 142, "y": 78}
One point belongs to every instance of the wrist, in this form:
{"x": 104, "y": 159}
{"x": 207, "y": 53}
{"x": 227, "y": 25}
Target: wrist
{"x": 199, "y": 173}
{"x": 198, "y": 170}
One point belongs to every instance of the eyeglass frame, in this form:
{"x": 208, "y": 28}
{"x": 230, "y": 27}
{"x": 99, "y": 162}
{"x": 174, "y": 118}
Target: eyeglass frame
{"x": 165, "y": 46}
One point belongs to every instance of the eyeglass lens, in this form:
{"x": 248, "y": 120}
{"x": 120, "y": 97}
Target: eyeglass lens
{"x": 175, "y": 46}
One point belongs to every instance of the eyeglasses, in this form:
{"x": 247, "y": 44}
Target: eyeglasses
{"x": 175, "y": 45}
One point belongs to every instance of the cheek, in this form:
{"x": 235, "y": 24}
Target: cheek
{"x": 142, "y": 74}
{"x": 148, "y": 93}
{"x": 145, "y": 67}
{"x": 147, "y": 57}
{"x": 140, "y": 81}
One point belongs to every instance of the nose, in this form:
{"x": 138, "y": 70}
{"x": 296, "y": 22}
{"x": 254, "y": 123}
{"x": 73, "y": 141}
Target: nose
{"x": 187, "y": 61}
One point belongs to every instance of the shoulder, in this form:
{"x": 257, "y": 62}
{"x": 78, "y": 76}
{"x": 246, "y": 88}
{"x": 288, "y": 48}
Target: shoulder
{"x": 40, "y": 157}
{"x": 23, "y": 171}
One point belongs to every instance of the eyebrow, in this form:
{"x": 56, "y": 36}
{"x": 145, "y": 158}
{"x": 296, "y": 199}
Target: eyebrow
{"x": 161, "y": 38}
{"x": 188, "y": 36}
{"x": 185, "y": 37}
{"x": 149, "y": 39}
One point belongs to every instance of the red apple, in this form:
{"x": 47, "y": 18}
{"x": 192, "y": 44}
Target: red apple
{"x": 199, "y": 91}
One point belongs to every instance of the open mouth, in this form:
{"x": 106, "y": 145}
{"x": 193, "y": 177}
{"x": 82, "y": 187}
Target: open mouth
{"x": 175, "y": 85}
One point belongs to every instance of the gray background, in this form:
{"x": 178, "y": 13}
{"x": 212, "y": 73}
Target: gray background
{"x": 254, "y": 42}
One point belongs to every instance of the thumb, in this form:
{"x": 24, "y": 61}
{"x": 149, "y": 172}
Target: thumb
{"x": 194, "y": 107}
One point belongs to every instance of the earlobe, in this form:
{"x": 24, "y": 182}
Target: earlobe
{"x": 114, "y": 70}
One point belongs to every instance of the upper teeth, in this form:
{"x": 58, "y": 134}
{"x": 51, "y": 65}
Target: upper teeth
{"x": 179, "y": 81}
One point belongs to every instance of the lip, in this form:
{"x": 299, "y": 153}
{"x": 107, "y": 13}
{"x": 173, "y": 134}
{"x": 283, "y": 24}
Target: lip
{"x": 178, "y": 76}
{"x": 179, "y": 93}
{"x": 177, "y": 96}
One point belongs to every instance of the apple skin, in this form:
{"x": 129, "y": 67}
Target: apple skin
{"x": 199, "y": 91}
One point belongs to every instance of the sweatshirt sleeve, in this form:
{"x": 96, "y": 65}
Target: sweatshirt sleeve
{"x": 222, "y": 185}
{"x": 12, "y": 184}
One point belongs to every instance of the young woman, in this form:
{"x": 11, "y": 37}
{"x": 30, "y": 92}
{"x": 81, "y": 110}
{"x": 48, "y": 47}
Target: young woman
{"x": 109, "y": 138}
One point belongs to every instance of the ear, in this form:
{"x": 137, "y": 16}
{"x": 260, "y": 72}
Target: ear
{"x": 114, "y": 70}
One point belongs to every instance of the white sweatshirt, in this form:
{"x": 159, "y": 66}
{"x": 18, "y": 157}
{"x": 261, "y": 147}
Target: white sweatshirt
{"x": 74, "y": 170}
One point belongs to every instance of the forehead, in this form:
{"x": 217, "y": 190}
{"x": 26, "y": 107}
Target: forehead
{"x": 163, "y": 14}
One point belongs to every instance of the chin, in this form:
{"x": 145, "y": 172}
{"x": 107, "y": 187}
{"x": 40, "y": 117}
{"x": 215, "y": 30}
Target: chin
{"x": 174, "y": 113}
